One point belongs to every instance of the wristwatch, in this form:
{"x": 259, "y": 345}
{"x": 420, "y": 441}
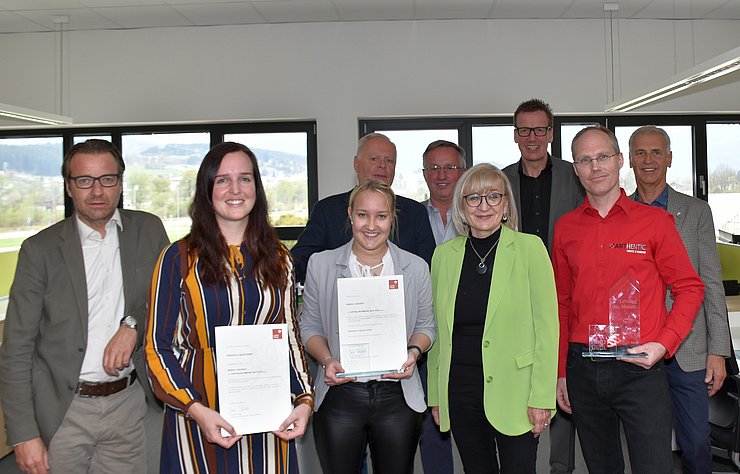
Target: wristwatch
{"x": 129, "y": 321}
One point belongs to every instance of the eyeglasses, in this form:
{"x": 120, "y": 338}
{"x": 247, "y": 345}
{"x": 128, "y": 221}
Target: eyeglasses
{"x": 87, "y": 182}
{"x": 586, "y": 160}
{"x": 538, "y": 131}
{"x": 447, "y": 168}
{"x": 492, "y": 199}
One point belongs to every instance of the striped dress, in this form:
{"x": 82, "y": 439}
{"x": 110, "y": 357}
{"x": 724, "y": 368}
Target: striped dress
{"x": 180, "y": 352}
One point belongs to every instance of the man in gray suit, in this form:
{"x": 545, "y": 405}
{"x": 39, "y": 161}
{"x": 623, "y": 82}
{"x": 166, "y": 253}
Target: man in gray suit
{"x": 545, "y": 187}
{"x": 697, "y": 370}
{"x": 76, "y": 315}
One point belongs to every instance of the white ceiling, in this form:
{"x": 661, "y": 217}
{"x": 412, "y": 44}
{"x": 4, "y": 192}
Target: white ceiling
{"x": 22, "y": 16}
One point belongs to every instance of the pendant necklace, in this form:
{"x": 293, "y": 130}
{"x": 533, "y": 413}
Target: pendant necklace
{"x": 482, "y": 267}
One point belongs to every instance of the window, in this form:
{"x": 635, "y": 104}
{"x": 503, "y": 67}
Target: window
{"x": 160, "y": 175}
{"x": 31, "y": 197}
{"x": 723, "y": 143}
{"x": 495, "y": 144}
{"x": 283, "y": 164}
{"x": 410, "y": 145}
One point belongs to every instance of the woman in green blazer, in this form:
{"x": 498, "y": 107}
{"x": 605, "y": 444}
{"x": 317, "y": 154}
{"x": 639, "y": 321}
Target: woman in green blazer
{"x": 493, "y": 369}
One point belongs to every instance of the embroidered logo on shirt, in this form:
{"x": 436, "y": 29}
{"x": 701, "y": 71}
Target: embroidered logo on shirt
{"x": 630, "y": 247}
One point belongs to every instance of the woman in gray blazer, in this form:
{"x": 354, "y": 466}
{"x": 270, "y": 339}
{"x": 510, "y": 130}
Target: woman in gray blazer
{"x": 386, "y": 410}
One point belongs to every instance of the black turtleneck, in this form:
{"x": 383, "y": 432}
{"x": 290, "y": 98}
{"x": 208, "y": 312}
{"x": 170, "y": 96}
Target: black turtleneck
{"x": 470, "y": 310}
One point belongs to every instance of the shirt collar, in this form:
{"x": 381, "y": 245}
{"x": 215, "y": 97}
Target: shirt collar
{"x": 623, "y": 202}
{"x": 547, "y": 169}
{"x": 660, "y": 201}
{"x": 86, "y": 231}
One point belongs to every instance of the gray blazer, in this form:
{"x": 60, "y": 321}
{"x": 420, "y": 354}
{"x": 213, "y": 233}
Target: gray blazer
{"x": 711, "y": 331}
{"x": 320, "y": 308}
{"x": 566, "y": 192}
{"x": 46, "y": 324}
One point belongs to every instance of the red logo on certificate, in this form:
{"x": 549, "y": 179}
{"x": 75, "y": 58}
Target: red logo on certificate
{"x": 392, "y": 284}
{"x": 277, "y": 333}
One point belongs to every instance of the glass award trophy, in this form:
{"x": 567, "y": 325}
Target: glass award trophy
{"x": 612, "y": 340}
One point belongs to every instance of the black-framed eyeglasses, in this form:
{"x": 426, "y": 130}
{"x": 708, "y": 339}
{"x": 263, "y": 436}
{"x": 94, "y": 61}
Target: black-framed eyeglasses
{"x": 447, "y": 168}
{"x": 87, "y": 182}
{"x": 586, "y": 160}
{"x": 538, "y": 131}
{"x": 492, "y": 199}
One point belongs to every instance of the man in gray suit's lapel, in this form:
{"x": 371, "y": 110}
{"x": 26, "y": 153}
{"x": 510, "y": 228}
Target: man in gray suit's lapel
{"x": 76, "y": 316}
{"x": 544, "y": 187}
{"x": 697, "y": 370}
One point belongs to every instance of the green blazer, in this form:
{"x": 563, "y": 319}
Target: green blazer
{"x": 520, "y": 334}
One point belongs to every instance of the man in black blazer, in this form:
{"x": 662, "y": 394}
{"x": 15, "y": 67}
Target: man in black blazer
{"x": 328, "y": 228}
{"x": 545, "y": 187}
{"x": 76, "y": 316}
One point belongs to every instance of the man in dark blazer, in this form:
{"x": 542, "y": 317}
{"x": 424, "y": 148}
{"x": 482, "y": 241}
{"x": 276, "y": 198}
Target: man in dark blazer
{"x": 544, "y": 187}
{"x": 328, "y": 228}
{"x": 76, "y": 316}
{"x": 697, "y": 370}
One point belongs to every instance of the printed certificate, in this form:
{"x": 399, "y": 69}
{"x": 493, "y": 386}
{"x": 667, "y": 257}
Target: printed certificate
{"x": 253, "y": 371}
{"x": 372, "y": 325}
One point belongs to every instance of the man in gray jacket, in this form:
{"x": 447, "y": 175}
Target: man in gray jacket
{"x": 697, "y": 370}
{"x": 75, "y": 322}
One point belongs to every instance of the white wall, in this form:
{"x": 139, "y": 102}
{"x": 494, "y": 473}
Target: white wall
{"x": 338, "y": 72}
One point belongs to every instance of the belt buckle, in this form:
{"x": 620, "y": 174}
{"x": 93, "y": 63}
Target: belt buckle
{"x": 78, "y": 390}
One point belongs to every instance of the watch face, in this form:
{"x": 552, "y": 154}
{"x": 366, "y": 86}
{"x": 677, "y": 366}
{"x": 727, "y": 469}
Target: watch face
{"x": 129, "y": 321}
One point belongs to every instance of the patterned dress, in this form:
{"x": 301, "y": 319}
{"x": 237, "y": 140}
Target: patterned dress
{"x": 180, "y": 352}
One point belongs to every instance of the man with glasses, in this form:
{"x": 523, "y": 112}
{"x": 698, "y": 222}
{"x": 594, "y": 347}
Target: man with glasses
{"x": 601, "y": 250}
{"x": 444, "y": 163}
{"x": 75, "y": 320}
{"x": 544, "y": 187}
{"x": 697, "y": 370}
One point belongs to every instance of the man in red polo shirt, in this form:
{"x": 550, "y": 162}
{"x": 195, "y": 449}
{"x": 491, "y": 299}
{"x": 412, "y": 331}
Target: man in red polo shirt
{"x": 607, "y": 238}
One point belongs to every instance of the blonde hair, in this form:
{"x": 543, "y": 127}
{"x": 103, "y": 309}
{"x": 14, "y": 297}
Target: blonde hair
{"x": 479, "y": 178}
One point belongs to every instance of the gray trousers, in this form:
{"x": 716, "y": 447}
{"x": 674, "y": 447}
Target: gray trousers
{"x": 102, "y": 435}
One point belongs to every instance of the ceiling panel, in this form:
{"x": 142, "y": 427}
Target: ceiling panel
{"x": 13, "y": 23}
{"x": 728, "y": 11}
{"x": 39, "y": 4}
{"x": 220, "y": 14}
{"x": 292, "y": 11}
{"x": 443, "y": 9}
{"x": 377, "y": 10}
{"x": 144, "y": 17}
{"x": 78, "y": 19}
{"x": 530, "y": 8}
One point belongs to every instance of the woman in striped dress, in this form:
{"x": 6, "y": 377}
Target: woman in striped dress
{"x": 230, "y": 270}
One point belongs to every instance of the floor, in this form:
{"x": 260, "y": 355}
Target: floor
{"x": 309, "y": 463}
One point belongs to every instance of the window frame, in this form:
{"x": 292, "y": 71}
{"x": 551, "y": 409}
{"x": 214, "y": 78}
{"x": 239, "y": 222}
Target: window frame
{"x": 216, "y": 132}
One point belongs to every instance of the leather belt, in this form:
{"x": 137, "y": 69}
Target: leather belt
{"x": 104, "y": 389}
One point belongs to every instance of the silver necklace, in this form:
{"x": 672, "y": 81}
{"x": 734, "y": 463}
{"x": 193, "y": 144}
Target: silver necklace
{"x": 482, "y": 267}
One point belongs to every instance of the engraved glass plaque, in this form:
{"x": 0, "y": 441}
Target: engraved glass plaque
{"x": 623, "y": 331}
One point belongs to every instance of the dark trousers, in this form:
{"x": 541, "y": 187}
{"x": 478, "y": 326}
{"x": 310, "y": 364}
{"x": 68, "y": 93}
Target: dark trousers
{"x": 478, "y": 441}
{"x": 355, "y": 414}
{"x": 690, "y": 417}
{"x": 435, "y": 447}
{"x": 604, "y": 393}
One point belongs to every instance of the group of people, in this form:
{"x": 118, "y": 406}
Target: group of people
{"x": 504, "y": 273}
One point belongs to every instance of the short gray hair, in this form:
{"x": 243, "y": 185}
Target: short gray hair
{"x": 650, "y": 129}
{"x": 366, "y": 138}
{"x": 478, "y": 178}
{"x": 447, "y": 144}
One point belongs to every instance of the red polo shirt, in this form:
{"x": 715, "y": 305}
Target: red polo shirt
{"x": 590, "y": 254}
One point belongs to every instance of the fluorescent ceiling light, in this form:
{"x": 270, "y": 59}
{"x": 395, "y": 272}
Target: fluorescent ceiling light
{"x": 704, "y": 72}
{"x": 29, "y": 115}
